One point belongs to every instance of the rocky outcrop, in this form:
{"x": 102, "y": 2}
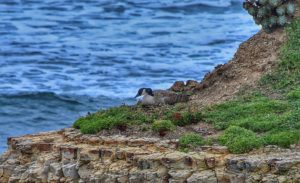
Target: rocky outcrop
{"x": 69, "y": 156}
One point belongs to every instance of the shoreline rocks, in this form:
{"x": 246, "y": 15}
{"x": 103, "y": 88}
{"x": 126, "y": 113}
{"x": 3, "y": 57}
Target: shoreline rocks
{"x": 68, "y": 156}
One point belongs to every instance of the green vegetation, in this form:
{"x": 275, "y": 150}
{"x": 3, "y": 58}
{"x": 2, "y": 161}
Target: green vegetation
{"x": 191, "y": 139}
{"x": 240, "y": 140}
{"x": 113, "y": 117}
{"x": 185, "y": 118}
{"x": 267, "y": 115}
{"x": 163, "y": 126}
{"x": 121, "y": 117}
{"x": 276, "y": 121}
{"x": 286, "y": 76}
{"x": 256, "y": 113}
{"x": 282, "y": 138}
{"x": 271, "y": 14}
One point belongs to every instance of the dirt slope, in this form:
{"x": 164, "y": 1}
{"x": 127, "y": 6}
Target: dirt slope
{"x": 253, "y": 58}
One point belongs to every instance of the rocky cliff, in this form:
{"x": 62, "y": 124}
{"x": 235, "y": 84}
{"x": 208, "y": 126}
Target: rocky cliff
{"x": 69, "y": 156}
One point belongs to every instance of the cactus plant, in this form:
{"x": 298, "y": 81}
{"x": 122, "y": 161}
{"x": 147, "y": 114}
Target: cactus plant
{"x": 265, "y": 23}
{"x": 275, "y": 3}
{"x": 262, "y": 12}
{"x": 263, "y": 2}
{"x": 257, "y": 21}
{"x": 281, "y": 20}
{"x": 290, "y": 8}
{"x": 271, "y": 14}
{"x": 273, "y": 21}
{"x": 280, "y": 10}
{"x": 252, "y": 11}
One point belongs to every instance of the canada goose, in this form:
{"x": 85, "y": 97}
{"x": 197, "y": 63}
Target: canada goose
{"x": 158, "y": 97}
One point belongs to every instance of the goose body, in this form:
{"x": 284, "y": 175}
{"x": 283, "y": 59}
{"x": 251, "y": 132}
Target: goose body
{"x": 160, "y": 97}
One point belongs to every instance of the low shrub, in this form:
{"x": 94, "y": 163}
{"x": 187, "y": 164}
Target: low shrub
{"x": 282, "y": 138}
{"x": 163, "y": 126}
{"x": 294, "y": 94}
{"x": 257, "y": 113}
{"x": 185, "y": 118}
{"x": 113, "y": 117}
{"x": 191, "y": 139}
{"x": 240, "y": 140}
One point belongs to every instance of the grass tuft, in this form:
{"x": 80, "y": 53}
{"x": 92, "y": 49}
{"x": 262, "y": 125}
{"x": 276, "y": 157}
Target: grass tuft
{"x": 113, "y": 117}
{"x": 287, "y": 74}
{"x": 256, "y": 113}
{"x": 162, "y": 126}
{"x": 191, "y": 140}
{"x": 282, "y": 138}
{"x": 240, "y": 140}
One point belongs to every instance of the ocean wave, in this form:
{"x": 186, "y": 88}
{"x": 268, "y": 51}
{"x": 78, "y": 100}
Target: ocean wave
{"x": 181, "y": 3}
{"x": 45, "y": 96}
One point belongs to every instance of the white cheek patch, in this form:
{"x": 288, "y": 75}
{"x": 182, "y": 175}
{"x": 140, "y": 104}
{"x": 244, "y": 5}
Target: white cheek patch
{"x": 139, "y": 98}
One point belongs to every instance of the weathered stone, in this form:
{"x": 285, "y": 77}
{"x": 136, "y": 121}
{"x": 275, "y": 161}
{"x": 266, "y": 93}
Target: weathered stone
{"x": 180, "y": 175}
{"x": 1, "y": 172}
{"x": 73, "y": 159}
{"x": 135, "y": 176}
{"x": 122, "y": 179}
{"x": 178, "y": 86}
{"x": 282, "y": 166}
{"x": 87, "y": 156}
{"x": 210, "y": 162}
{"x": 270, "y": 179}
{"x": 7, "y": 170}
{"x": 69, "y": 171}
{"x": 203, "y": 177}
{"x": 143, "y": 164}
{"x": 55, "y": 172}
{"x": 105, "y": 154}
{"x": 120, "y": 155}
{"x": 239, "y": 178}
{"x": 84, "y": 173}
{"x": 69, "y": 153}
{"x": 43, "y": 147}
{"x": 17, "y": 173}
{"x": 191, "y": 84}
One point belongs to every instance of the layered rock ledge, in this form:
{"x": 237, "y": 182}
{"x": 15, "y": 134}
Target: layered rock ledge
{"x": 69, "y": 156}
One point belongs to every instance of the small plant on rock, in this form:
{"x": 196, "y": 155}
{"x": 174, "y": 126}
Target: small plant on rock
{"x": 163, "y": 126}
{"x": 185, "y": 118}
{"x": 240, "y": 140}
{"x": 191, "y": 140}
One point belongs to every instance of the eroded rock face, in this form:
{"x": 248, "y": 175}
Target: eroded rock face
{"x": 68, "y": 156}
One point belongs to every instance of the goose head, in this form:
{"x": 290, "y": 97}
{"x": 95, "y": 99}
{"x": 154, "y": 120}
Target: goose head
{"x": 144, "y": 92}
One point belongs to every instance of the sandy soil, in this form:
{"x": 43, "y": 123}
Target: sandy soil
{"x": 254, "y": 57}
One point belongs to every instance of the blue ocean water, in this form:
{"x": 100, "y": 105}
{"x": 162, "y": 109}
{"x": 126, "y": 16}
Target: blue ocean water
{"x": 60, "y": 59}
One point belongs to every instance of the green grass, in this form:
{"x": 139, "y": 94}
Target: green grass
{"x": 254, "y": 119}
{"x": 120, "y": 117}
{"x": 113, "y": 117}
{"x": 257, "y": 113}
{"x": 163, "y": 125}
{"x": 191, "y": 139}
{"x": 185, "y": 118}
{"x": 286, "y": 76}
{"x": 282, "y": 138}
{"x": 240, "y": 140}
